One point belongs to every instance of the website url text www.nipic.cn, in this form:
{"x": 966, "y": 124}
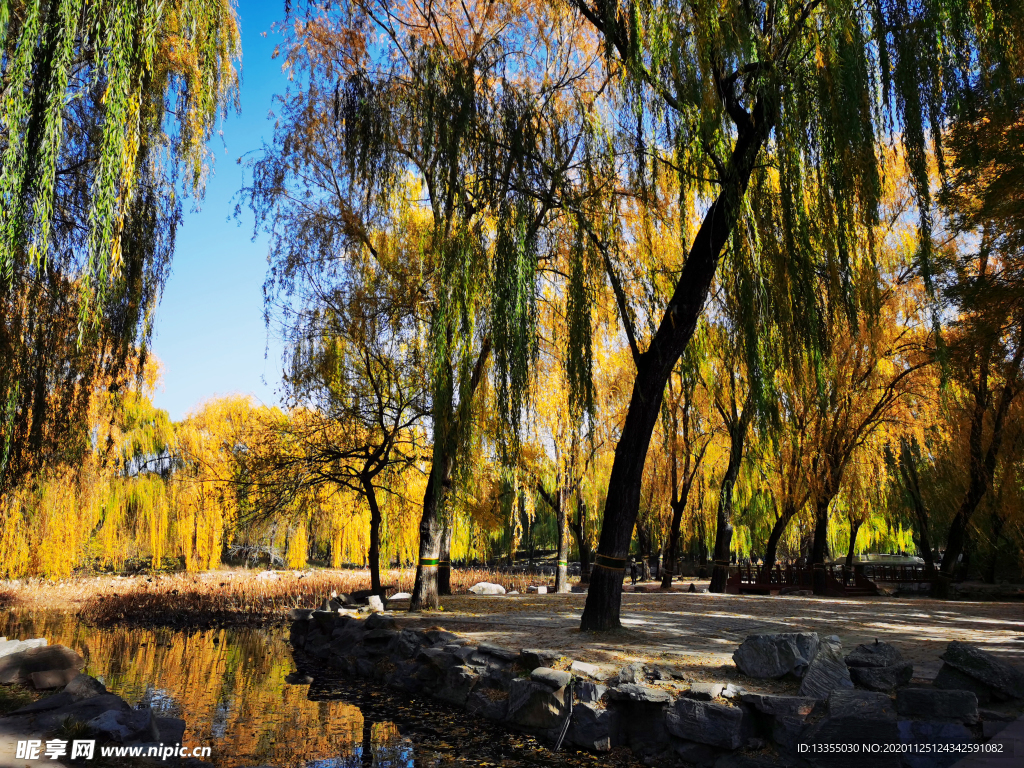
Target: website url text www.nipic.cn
{"x": 85, "y": 749}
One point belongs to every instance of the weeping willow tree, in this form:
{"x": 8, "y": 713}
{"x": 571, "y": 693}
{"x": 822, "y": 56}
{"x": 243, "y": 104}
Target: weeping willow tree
{"x": 437, "y": 113}
{"x": 106, "y": 108}
{"x": 807, "y": 88}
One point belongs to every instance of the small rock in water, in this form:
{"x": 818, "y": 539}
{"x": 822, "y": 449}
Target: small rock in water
{"x": 510, "y": 594}
{"x": 52, "y": 678}
{"x": 298, "y": 678}
{"x": 486, "y": 588}
{"x": 85, "y": 687}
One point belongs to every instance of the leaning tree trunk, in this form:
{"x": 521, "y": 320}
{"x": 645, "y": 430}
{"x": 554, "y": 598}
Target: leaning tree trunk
{"x": 654, "y": 367}
{"x": 444, "y": 564}
{"x": 723, "y": 533}
{"x": 375, "y": 518}
{"x": 562, "y": 567}
{"x": 771, "y": 549}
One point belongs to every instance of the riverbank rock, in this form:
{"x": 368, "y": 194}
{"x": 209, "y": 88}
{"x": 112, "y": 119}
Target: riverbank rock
{"x": 932, "y": 704}
{"x": 486, "y": 588}
{"x": 879, "y": 667}
{"x": 589, "y": 692}
{"x": 536, "y": 705}
{"x": 531, "y": 658}
{"x": 874, "y": 654}
{"x": 928, "y": 735}
{"x": 778, "y": 655}
{"x": 717, "y": 725}
{"x": 458, "y": 684}
{"x": 855, "y": 717}
{"x": 1005, "y": 681}
{"x": 827, "y": 672}
{"x": 52, "y": 678}
{"x": 553, "y": 678}
{"x": 952, "y": 679}
{"x": 125, "y": 726}
{"x": 592, "y": 727}
{"x": 18, "y": 667}
{"x": 7, "y": 647}
{"x": 704, "y": 691}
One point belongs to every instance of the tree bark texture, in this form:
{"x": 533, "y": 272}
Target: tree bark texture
{"x": 444, "y": 565}
{"x": 578, "y": 527}
{"x": 820, "y": 545}
{"x": 854, "y": 529}
{"x": 723, "y": 533}
{"x": 375, "y": 520}
{"x": 562, "y": 566}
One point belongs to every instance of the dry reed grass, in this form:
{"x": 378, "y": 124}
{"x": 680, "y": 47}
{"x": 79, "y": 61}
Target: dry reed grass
{"x": 222, "y": 597}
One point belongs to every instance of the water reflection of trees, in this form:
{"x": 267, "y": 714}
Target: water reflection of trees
{"x": 228, "y": 685}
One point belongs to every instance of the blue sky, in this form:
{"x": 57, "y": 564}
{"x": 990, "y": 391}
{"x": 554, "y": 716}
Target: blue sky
{"x": 209, "y": 333}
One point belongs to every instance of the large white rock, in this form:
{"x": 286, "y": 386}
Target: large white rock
{"x": 375, "y": 603}
{"x": 486, "y": 588}
{"x": 400, "y": 596}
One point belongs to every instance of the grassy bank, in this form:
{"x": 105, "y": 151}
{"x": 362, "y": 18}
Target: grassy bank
{"x": 221, "y": 597}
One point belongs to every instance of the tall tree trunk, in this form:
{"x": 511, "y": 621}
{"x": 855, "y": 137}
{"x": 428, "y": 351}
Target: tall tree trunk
{"x": 578, "y": 527}
{"x": 997, "y": 532}
{"x": 671, "y": 561}
{"x": 820, "y": 545}
{"x": 723, "y": 533}
{"x": 562, "y": 566}
{"x": 444, "y": 564}
{"x": 366, "y": 752}
{"x": 375, "y": 518}
{"x": 425, "y": 588}
{"x": 982, "y": 467}
{"x": 424, "y": 591}
{"x": 908, "y": 471}
{"x": 654, "y": 367}
{"x": 854, "y": 528}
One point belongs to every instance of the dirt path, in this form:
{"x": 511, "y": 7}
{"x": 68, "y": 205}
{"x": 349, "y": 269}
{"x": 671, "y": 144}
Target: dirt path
{"x": 702, "y": 630}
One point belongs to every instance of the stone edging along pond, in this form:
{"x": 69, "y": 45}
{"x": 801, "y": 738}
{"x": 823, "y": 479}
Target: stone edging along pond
{"x": 708, "y": 724}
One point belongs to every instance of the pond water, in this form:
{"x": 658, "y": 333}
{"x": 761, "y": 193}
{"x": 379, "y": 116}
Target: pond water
{"x": 228, "y": 685}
